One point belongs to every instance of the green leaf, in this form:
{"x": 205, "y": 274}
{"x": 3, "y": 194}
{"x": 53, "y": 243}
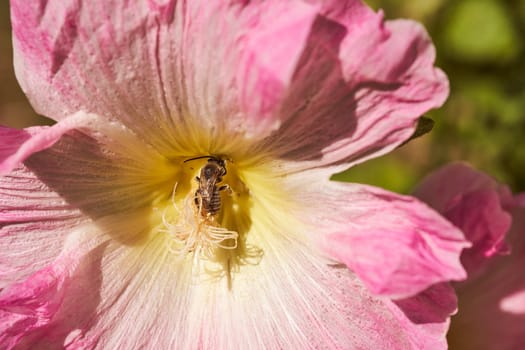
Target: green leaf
{"x": 424, "y": 126}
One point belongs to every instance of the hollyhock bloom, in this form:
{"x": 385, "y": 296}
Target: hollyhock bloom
{"x": 475, "y": 203}
{"x": 109, "y": 242}
{"x": 491, "y": 311}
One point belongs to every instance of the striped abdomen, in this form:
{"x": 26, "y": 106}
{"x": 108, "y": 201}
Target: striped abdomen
{"x": 209, "y": 204}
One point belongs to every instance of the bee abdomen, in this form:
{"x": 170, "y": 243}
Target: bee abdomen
{"x": 211, "y": 205}
{"x": 215, "y": 203}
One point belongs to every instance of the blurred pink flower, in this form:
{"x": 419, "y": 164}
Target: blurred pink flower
{"x": 103, "y": 243}
{"x": 476, "y": 204}
{"x": 491, "y": 312}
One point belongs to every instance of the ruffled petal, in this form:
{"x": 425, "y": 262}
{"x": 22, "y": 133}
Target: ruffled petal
{"x": 476, "y": 204}
{"x": 491, "y": 305}
{"x": 427, "y": 313}
{"x": 360, "y": 87}
{"x": 127, "y": 290}
{"x": 142, "y": 296}
{"x": 16, "y": 145}
{"x": 494, "y": 290}
{"x": 83, "y": 176}
{"x": 161, "y": 66}
{"x": 396, "y": 244}
{"x": 50, "y": 308}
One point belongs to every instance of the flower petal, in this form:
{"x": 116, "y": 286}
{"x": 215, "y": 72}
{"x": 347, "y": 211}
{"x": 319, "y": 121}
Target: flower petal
{"x": 291, "y": 299}
{"x": 360, "y": 88}
{"x": 397, "y": 245}
{"x": 491, "y": 306}
{"x": 300, "y": 300}
{"x": 476, "y": 204}
{"x": 40, "y": 311}
{"x": 519, "y": 199}
{"x": 34, "y": 222}
{"x": 103, "y": 168}
{"x": 85, "y": 175}
{"x": 59, "y": 305}
{"x": 161, "y": 66}
{"x": 427, "y": 313}
{"x": 16, "y": 145}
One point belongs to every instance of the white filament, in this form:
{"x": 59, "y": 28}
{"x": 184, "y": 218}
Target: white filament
{"x": 191, "y": 232}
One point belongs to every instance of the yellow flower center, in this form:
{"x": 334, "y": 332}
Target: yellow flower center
{"x": 207, "y": 218}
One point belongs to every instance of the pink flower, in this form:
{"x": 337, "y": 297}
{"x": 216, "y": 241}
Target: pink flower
{"x": 491, "y": 311}
{"x": 476, "y": 204}
{"x": 107, "y": 240}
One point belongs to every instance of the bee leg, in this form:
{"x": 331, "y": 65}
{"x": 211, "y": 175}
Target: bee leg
{"x": 197, "y": 179}
{"x": 198, "y": 201}
{"x": 226, "y": 188}
{"x": 197, "y": 198}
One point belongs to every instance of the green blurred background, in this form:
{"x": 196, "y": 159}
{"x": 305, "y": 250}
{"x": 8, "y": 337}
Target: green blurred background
{"x": 479, "y": 46}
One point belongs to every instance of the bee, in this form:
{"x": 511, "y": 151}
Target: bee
{"x": 207, "y": 195}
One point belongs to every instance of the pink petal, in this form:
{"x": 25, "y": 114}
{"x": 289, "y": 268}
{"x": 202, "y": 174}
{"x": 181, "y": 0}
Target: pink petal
{"x": 160, "y": 67}
{"x": 427, "y": 313}
{"x": 476, "y": 204}
{"x": 17, "y": 145}
{"x": 494, "y": 289}
{"x": 116, "y": 296}
{"x": 128, "y": 295}
{"x": 519, "y": 199}
{"x": 452, "y": 180}
{"x": 91, "y": 280}
{"x": 514, "y": 303}
{"x": 35, "y": 221}
{"x": 52, "y": 305}
{"x": 395, "y": 244}
{"x": 85, "y": 175}
{"x": 45, "y": 204}
{"x": 361, "y": 85}
{"x": 491, "y": 305}
{"x": 276, "y": 33}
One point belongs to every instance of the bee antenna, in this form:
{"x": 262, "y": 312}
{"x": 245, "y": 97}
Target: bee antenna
{"x": 216, "y": 158}
{"x": 201, "y": 157}
{"x": 195, "y": 158}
